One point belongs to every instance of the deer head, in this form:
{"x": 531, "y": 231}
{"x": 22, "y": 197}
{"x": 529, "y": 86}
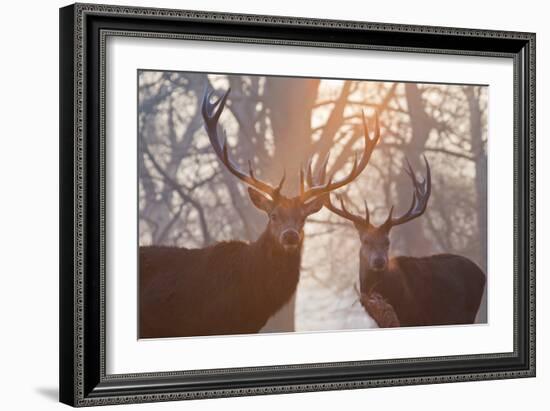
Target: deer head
{"x": 375, "y": 241}
{"x": 287, "y": 215}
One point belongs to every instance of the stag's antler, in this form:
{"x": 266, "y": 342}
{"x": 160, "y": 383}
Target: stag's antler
{"x": 422, "y": 191}
{"x": 421, "y": 194}
{"x": 357, "y": 168}
{"x": 343, "y": 212}
{"x": 211, "y": 113}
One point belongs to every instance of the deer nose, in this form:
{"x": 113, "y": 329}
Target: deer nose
{"x": 379, "y": 263}
{"x": 290, "y": 237}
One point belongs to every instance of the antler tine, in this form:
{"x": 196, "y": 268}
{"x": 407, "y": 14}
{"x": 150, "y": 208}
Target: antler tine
{"x": 250, "y": 169}
{"x": 277, "y": 190}
{"x": 323, "y": 168}
{"x": 308, "y": 176}
{"x": 421, "y": 195}
{"x": 312, "y": 182}
{"x": 428, "y": 179}
{"x": 302, "y": 183}
{"x": 367, "y": 214}
{"x": 321, "y": 173}
{"x": 211, "y": 113}
{"x": 343, "y": 211}
{"x": 356, "y": 169}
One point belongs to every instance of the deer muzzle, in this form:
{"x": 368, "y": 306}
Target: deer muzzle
{"x": 290, "y": 239}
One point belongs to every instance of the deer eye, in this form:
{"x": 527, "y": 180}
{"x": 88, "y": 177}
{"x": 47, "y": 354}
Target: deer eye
{"x": 273, "y": 217}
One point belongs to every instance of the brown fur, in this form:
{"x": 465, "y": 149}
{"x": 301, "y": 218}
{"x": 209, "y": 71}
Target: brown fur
{"x": 435, "y": 290}
{"x": 227, "y": 288}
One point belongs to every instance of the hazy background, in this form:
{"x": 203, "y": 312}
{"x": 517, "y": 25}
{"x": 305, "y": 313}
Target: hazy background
{"x": 279, "y": 122}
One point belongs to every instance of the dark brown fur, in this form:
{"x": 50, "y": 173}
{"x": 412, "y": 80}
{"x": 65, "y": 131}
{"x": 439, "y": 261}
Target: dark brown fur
{"x": 227, "y": 288}
{"x": 435, "y": 290}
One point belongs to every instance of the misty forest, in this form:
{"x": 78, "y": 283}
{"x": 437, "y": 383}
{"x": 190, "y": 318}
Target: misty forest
{"x": 187, "y": 198}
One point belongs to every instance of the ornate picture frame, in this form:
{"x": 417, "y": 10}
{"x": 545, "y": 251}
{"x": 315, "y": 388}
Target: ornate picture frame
{"x": 84, "y": 31}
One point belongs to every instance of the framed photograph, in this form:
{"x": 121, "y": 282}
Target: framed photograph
{"x": 259, "y": 204}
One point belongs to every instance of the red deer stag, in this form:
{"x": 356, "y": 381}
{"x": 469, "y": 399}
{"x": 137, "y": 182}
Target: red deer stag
{"x": 434, "y": 290}
{"x": 233, "y": 287}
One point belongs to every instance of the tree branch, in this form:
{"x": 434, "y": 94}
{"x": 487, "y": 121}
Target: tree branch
{"x": 184, "y": 196}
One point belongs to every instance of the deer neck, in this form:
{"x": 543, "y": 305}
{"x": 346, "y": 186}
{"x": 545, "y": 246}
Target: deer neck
{"x": 272, "y": 272}
{"x": 392, "y": 283}
{"x": 369, "y": 279}
{"x": 279, "y": 269}
{"x": 274, "y": 255}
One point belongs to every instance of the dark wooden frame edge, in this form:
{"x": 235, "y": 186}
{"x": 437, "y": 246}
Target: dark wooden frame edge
{"x": 83, "y": 28}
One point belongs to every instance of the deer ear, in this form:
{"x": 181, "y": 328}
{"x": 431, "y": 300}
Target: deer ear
{"x": 315, "y": 205}
{"x": 259, "y": 200}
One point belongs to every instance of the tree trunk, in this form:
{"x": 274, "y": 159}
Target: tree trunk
{"x": 410, "y": 239}
{"x": 290, "y": 103}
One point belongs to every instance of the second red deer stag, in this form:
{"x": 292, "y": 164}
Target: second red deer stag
{"x": 233, "y": 287}
{"x": 434, "y": 290}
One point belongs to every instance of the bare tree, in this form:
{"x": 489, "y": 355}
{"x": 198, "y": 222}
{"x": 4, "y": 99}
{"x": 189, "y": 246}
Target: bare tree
{"x": 188, "y": 200}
